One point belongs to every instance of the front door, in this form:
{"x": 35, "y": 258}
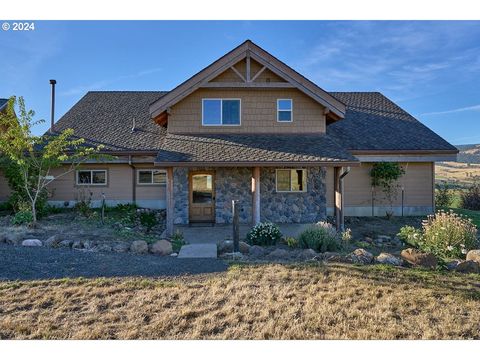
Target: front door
{"x": 202, "y": 196}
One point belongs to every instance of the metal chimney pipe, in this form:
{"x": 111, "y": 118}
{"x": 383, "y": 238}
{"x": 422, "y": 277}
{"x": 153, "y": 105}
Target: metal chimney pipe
{"x": 52, "y": 119}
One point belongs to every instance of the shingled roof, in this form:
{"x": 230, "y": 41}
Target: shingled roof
{"x": 245, "y": 149}
{"x": 106, "y": 117}
{"x": 374, "y": 122}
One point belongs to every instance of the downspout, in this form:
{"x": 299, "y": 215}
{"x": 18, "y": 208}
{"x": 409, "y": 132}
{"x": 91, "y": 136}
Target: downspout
{"x": 342, "y": 208}
{"x": 134, "y": 180}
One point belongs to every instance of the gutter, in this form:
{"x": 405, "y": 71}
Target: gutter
{"x": 134, "y": 180}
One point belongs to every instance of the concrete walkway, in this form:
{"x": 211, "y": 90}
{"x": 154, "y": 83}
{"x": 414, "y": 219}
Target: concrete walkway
{"x": 198, "y": 251}
{"x": 207, "y": 234}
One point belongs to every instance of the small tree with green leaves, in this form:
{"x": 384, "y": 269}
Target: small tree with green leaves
{"x": 31, "y": 158}
{"x": 385, "y": 175}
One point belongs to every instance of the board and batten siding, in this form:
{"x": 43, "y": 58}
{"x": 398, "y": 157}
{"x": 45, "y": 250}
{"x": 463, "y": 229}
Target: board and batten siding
{"x": 119, "y": 188}
{"x": 417, "y": 182}
{"x": 258, "y": 112}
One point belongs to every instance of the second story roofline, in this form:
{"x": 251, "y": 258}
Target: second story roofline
{"x": 246, "y": 51}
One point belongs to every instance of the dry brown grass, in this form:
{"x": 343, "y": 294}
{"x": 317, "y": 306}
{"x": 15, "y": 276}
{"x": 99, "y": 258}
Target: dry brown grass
{"x": 455, "y": 172}
{"x": 248, "y": 302}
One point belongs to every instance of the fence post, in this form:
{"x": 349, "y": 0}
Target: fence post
{"x": 236, "y": 226}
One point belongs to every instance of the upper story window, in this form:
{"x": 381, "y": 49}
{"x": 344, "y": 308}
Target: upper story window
{"x": 151, "y": 177}
{"x": 291, "y": 180}
{"x": 91, "y": 177}
{"x": 218, "y": 112}
{"x": 284, "y": 110}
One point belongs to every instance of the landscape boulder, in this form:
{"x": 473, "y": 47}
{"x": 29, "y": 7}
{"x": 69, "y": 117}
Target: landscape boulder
{"x": 77, "y": 244}
{"x": 139, "y": 247}
{"x": 161, "y": 247}
{"x": 278, "y": 254}
{"x": 418, "y": 258}
{"x": 388, "y": 259}
{"x": 102, "y": 248}
{"x": 121, "y": 247}
{"x": 65, "y": 243}
{"x": 14, "y": 238}
{"x": 333, "y": 256}
{"x": 452, "y": 265}
{"x": 468, "y": 267}
{"x": 3, "y": 237}
{"x": 256, "y": 251}
{"x": 226, "y": 246}
{"x": 307, "y": 254}
{"x": 474, "y": 255}
{"x": 31, "y": 243}
{"x": 360, "y": 256}
{"x": 52, "y": 241}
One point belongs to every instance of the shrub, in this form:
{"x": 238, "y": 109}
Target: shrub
{"x": 291, "y": 242}
{"x": 22, "y": 217}
{"x": 264, "y": 234}
{"x": 444, "y": 234}
{"x": 321, "y": 237}
{"x": 83, "y": 203}
{"x": 470, "y": 199}
{"x": 443, "y": 195}
{"x": 125, "y": 207}
{"x": 177, "y": 241}
{"x": 385, "y": 175}
{"x": 148, "y": 220}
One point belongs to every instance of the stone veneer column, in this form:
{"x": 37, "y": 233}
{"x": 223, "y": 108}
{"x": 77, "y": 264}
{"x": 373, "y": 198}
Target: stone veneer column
{"x": 180, "y": 196}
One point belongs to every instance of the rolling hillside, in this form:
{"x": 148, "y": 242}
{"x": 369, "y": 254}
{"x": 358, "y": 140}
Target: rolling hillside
{"x": 469, "y": 154}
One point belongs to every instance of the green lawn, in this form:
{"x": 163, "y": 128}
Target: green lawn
{"x": 474, "y": 215}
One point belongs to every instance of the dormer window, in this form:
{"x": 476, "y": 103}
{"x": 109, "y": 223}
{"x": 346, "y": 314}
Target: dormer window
{"x": 284, "y": 110}
{"x": 220, "y": 112}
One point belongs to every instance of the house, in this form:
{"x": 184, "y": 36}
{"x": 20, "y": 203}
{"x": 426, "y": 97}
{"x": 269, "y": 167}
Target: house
{"x": 250, "y": 128}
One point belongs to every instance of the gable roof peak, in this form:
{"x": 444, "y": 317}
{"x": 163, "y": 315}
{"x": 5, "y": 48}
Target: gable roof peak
{"x": 248, "y": 49}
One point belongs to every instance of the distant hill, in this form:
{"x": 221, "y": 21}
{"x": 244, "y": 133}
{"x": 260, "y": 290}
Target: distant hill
{"x": 469, "y": 154}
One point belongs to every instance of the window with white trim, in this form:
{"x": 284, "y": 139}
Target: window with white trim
{"x": 151, "y": 177}
{"x": 220, "y": 112}
{"x": 91, "y": 177}
{"x": 284, "y": 110}
{"x": 291, "y": 180}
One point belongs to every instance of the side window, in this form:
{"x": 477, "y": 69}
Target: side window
{"x": 284, "y": 110}
{"x": 151, "y": 177}
{"x": 91, "y": 177}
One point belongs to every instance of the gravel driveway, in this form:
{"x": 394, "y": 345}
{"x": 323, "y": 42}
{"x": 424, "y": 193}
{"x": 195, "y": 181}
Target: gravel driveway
{"x": 21, "y": 263}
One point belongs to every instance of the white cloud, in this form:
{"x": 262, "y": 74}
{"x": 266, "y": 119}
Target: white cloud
{"x": 453, "y": 111}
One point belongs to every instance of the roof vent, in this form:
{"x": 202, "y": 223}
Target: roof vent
{"x": 133, "y": 125}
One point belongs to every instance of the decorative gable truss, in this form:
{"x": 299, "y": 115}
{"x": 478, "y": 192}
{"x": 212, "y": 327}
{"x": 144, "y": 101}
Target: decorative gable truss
{"x": 247, "y": 66}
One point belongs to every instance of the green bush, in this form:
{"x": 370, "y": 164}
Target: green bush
{"x": 321, "y": 237}
{"x": 177, "y": 241}
{"x": 443, "y": 195}
{"x": 264, "y": 234}
{"x": 22, "y": 217}
{"x": 291, "y": 242}
{"x": 125, "y": 207}
{"x": 470, "y": 199}
{"x": 445, "y": 234}
{"x": 148, "y": 220}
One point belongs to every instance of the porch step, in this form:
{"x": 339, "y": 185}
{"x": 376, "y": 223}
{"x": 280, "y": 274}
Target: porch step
{"x": 198, "y": 251}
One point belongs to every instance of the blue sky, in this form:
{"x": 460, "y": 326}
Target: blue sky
{"x": 430, "y": 68}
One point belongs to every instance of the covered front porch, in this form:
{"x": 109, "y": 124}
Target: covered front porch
{"x": 199, "y": 199}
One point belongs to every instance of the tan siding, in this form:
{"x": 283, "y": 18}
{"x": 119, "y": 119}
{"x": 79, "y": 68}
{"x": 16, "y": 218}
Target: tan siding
{"x": 4, "y": 189}
{"x": 228, "y": 76}
{"x": 258, "y": 112}
{"x": 268, "y": 76}
{"x": 417, "y": 183}
{"x": 119, "y": 185}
